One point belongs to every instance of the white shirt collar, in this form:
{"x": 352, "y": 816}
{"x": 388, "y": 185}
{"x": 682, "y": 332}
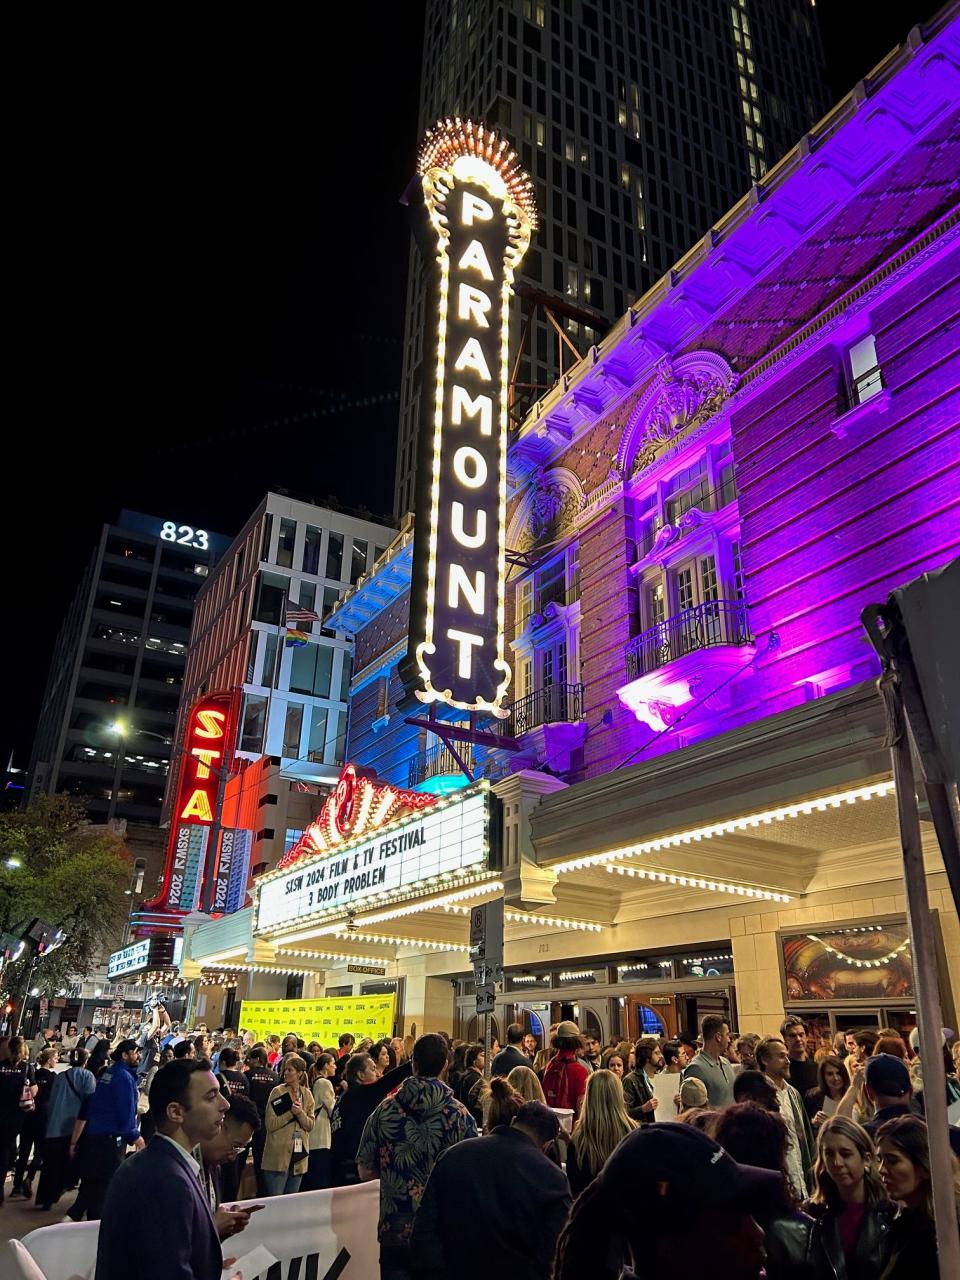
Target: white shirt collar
{"x": 185, "y": 1155}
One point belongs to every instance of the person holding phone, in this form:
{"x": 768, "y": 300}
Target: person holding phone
{"x": 290, "y": 1117}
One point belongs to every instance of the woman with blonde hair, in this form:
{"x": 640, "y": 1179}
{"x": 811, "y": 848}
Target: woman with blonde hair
{"x": 500, "y": 1103}
{"x": 524, "y": 1081}
{"x": 602, "y": 1124}
{"x": 852, "y": 1217}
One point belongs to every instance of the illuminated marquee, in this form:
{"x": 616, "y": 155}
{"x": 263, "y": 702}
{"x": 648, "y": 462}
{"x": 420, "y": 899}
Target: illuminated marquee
{"x": 356, "y": 807}
{"x": 446, "y": 846}
{"x": 481, "y": 209}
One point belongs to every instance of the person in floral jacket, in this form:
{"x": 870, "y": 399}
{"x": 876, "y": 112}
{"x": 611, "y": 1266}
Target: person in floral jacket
{"x": 401, "y": 1143}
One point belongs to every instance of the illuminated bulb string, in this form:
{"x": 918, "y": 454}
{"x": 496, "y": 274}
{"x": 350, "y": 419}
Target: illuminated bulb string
{"x": 861, "y": 964}
{"x": 694, "y": 882}
{"x": 766, "y": 817}
{"x": 449, "y": 140}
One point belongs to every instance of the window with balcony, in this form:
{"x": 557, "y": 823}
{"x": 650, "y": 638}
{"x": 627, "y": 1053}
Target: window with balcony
{"x": 688, "y": 488}
{"x": 864, "y": 379}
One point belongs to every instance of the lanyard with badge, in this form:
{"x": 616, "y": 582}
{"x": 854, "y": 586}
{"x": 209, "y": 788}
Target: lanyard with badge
{"x": 297, "y": 1136}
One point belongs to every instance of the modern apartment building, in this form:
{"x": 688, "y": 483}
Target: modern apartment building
{"x": 110, "y": 705}
{"x": 291, "y": 725}
{"x": 640, "y": 121}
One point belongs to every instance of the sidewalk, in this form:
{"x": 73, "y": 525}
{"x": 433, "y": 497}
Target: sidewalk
{"x": 19, "y": 1217}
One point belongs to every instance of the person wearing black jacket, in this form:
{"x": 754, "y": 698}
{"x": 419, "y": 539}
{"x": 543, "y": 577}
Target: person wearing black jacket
{"x": 261, "y": 1082}
{"x": 851, "y": 1236}
{"x": 365, "y": 1091}
{"x": 34, "y": 1127}
{"x": 512, "y": 1055}
{"x": 470, "y": 1085}
{"x": 504, "y": 1183}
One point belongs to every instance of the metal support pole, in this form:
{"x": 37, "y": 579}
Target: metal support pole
{"x": 487, "y": 1064}
{"x": 926, "y": 983}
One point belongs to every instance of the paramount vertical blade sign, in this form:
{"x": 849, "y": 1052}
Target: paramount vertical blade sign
{"x": 481, "y": 213}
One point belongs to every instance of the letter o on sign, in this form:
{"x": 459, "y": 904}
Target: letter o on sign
{"x": 469, "y": 467}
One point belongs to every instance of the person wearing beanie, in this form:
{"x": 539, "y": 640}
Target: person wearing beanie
{"x": 506, "y": 1182}
{"x": 667, "y": 1199}
{"x": 887, "y": 1082}
{"x": 565, "y": 1079}
{"x": 693, "y": 1093}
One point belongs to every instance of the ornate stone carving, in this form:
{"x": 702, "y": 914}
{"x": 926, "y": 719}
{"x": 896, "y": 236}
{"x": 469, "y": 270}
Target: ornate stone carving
{"x": 683, "y": 393}
{"x": 552, "y": 511}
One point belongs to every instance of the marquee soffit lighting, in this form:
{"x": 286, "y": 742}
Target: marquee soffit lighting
{"x": 456, "y": 144}
{"x": 256, "y": 968}
{"x": 328, "y": 955}
{"x": 526, "y": 917}
{"x": 431, "y": 944}
{"x": 478, "y": 890}
{"x": 766, "y": 817}
{"x": 694, "y": 882}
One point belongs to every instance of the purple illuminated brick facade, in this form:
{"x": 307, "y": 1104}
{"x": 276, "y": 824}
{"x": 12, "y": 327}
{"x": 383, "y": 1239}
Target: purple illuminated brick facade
{"x": 766, "y": 443}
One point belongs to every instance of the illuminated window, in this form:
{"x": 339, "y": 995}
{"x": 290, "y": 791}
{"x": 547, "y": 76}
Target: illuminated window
{"x": 864, "y": 377}
{"x": 285, "y": 543}
{"x": 335, "y": 556}
{"x": 253, "y": 723}
{"x": 267, "y": 534}
{"x": 524, "y": 603}
{"x": 358, "y": 560}
{"x": 292, "y": 725}
{"x": 310, "y": 670}
{"x": 311, "y": 549}
{"x": 318, "y": 732}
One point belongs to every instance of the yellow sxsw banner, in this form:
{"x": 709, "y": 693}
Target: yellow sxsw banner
{"x": 322, "y": 1019}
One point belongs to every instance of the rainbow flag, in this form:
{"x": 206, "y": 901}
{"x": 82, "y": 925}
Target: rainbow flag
{"x": 296, "y": 638}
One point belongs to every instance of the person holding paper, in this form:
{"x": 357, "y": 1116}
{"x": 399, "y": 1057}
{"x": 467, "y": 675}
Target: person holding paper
{"x": 290, "y": 1117}
{"x": 638, "y": 1092}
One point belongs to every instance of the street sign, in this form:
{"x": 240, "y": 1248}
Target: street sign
{"x": 486, "y": 932}
{"x": 486, "y": 997}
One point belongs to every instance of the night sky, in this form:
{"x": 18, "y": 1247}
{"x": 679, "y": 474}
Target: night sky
{"x": 209, "y": 270}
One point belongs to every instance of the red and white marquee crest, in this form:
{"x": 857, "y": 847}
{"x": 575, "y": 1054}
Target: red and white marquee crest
{"x": 356, "y": 806}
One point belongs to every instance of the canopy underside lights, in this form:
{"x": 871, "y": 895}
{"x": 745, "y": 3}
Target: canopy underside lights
{"x": 751, "y": 821}
{"x": 694, "y": 882}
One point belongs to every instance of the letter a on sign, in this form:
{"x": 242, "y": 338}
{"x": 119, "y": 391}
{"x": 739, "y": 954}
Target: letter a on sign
{"x": 481, "y": 212}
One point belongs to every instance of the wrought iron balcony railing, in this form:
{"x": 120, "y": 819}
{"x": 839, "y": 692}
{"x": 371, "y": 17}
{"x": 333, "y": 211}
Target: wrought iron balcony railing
{"x": 553, "y": 704}
{"x": 438, "y": 760}
{"x": 718, "y": 622}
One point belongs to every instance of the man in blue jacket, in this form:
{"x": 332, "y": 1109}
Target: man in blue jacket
{"x": 161, "y": 1186}
{"x": 108, "y": 1125}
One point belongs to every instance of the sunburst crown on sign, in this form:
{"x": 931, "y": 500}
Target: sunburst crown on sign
{"x": 450, "y": 141}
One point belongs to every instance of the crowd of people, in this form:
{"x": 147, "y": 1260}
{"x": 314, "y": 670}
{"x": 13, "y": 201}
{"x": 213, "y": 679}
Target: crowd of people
{"x": 806, "y": 1158}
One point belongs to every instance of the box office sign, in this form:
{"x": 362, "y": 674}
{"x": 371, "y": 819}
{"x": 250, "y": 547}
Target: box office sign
{"x": 322, "y": 1019}
{"x": 427, "y": 849}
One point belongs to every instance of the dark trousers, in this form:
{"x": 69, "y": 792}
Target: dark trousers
{"x": 319, "y": 1175}
{"x": 28, "y": 1153}
{"x": 99, "y": 1156}
{"x": 395, "y": 1263}
{"x": 11, "y": 1123}
{"x": 230, "y": 1175}
{"x": 259, "y": 1140}
{"x": 55, "y": 1170}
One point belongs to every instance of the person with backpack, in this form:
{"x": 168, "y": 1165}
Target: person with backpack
{"x": 67, "y": 1094}
{"x": 565, "y": 1078}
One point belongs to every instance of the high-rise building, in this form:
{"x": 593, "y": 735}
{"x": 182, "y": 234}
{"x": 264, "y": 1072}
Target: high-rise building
{"x": 110, "y": 705}
{"x": 641, "y": 123}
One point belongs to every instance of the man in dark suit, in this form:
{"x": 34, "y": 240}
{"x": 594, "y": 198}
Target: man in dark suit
{"x": 162, "y": 1184}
